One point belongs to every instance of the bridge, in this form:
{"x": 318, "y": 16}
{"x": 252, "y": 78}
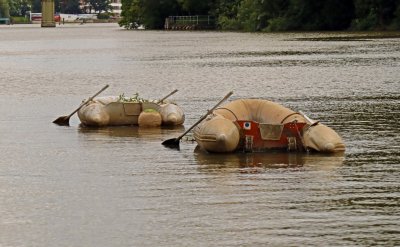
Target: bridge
{"x": 48, "y": 13}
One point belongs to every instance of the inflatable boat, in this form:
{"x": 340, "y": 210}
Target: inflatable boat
{"x": 111, "y": 111}
{"x": 254, "y": 125}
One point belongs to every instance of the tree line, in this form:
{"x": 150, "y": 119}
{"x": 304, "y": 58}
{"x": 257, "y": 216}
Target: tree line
{"x": 269, "y": 15}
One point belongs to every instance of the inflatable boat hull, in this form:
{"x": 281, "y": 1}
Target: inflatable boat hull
{"x": 107, "y": 111}
{"x": 259, "y": 126}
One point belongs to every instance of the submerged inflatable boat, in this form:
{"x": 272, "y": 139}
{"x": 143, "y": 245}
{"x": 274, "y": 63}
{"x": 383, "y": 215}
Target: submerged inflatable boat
{"x": 110, "y": 111}
{"x": 254, "y": 125}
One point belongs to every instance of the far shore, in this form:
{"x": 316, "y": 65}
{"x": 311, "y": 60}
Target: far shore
{"x": 309, "y": 35}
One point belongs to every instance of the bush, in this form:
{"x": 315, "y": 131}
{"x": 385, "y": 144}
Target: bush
{"x": 226, "y": 23}
{"x": 368, "y": 23}
{"x": 19, "y": 20}
{"x": 396, "y": 21}
{"x": 277, "y": 24}
{"x": 103, "y": 16}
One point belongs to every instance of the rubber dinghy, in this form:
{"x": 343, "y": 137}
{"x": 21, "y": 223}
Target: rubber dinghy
{"x": 110, "y": 111}
{"x": 254, "y": 125}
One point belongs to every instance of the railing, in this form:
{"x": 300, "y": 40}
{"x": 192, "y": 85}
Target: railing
{"x": 189, "y": 22}
{"x": 5, "y": 21}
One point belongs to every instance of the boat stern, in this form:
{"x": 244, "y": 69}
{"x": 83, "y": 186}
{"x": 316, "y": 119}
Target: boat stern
{"x": 94, "y": 114}
{"x": 322, "y": 138}
{"x": 172, "y": 114}
{"x": 217, "y": 135}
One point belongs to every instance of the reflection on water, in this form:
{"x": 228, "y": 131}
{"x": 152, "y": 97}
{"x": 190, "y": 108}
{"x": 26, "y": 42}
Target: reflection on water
{"x": 129, "y": 131}
{"x": 361, "y": 36}
{"x": 261, "y": 162}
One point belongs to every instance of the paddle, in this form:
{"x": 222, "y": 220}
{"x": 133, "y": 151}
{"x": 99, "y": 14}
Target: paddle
{"x": 161, "y": 100}
{"x": 174, "y": 142}
{"x": 64, "y": 120}
{"x": 309, "y": 120}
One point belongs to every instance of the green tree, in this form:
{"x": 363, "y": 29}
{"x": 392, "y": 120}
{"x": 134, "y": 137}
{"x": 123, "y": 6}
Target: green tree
{"x": 305, "y": 14}
{"x": 151, "y": 13}
{"x": 396, "y": 20}
{"x": 280, "y": 15}
{"x": 70, "y": 7}
{"x": 155, "y": 12}
{"x": 226, "y": 13}
{"x": 131, "y": 13}
{"x": 274, "y": 14}
{"x": 14, "y": 8}
{"x": 4, "y": 9}
{"x": 336, "y": 15}
{"x": 249, "y": 15}
{"x": 275, "y": 8}
{"x": 319, "y": 15}
{"x": 228, "y": 8}
{"x": 196, "y": 7}
{"x": 36, "y": 6}
{"x": 99, "y": 5}
{"x": 374, "y": 14}
{"x": 57, "y": 6}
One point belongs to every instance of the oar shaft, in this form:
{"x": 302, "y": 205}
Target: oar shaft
{"x": 309, "y": 120}
{"x": 86, "y": 101}
{"x": 161, "y": 100}
{"x": 204, "y": 116}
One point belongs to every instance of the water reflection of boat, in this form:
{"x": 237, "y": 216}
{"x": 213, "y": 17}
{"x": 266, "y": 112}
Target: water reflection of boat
{"x": 129, "y": 131}
{"x": 259, "y": 162}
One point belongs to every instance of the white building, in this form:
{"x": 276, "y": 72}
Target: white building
{"x": 116, "y": 7}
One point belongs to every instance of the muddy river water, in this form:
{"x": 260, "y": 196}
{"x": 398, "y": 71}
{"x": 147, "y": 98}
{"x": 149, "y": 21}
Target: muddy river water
{"x": 74, "y": 186}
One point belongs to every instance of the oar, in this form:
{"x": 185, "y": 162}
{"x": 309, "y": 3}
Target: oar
{"x": 161, "y": 100}
{"x": 64, "y": 120}
{"x": 174, "y": 142}
{"x": 309, "y": 120}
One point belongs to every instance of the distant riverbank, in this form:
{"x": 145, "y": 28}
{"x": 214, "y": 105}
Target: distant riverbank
{"x": 24, "y": 20}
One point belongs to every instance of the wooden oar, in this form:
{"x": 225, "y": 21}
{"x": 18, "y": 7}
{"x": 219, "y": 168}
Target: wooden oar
{"x": 309, "y": 120}
{"x": 64, "y": 120}
{"x": 174, "y": 142}
{"x": 161, "y": 100}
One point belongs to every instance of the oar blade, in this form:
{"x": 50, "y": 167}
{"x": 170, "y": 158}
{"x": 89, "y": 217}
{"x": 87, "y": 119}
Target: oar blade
{"x": 174, "y": 143}
{"x": 171, "y": 143}
{"x": 62, "y": 121}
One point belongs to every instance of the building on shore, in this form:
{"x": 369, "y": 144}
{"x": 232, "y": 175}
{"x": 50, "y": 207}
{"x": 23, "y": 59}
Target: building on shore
{"x": 116, "y": 8}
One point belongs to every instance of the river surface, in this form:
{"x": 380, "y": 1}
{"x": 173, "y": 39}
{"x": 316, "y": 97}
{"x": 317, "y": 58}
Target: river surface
{"x": 74, "y": 186}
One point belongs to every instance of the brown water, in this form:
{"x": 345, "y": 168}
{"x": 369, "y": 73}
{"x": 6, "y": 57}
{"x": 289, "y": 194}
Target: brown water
{"x": 71, "y": 186}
